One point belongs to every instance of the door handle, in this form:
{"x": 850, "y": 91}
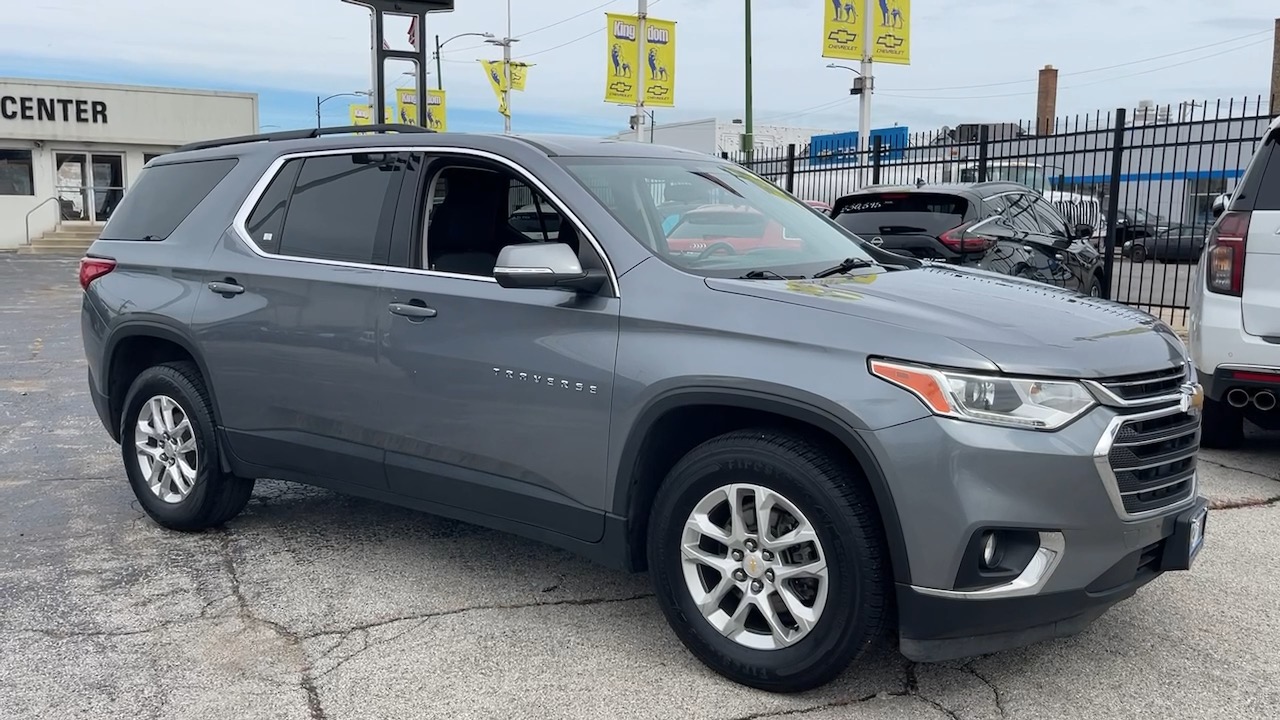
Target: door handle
{"x": 226, "y": 288}
{"x": 412, "y": 310}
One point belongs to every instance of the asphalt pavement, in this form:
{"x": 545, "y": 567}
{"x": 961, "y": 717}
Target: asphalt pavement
{"x": 313, "y": 605}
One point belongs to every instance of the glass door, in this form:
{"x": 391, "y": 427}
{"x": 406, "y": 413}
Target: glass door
{"x": 108, "y": 184}
{"x": 71, "y": 173}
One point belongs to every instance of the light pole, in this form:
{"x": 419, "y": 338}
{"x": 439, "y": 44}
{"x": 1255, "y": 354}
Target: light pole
{"x": 439, "y": 77}
{"x": 320, "y": 101}
{"x": 505, "y": 44}
{"x": 861, "y": 88}
{"x": 748, "y": 135}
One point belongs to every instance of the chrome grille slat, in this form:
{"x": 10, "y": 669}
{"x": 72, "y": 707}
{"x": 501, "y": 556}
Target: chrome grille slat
{"x": 1150, "y": 461}
{"x": 1143, "y": 388}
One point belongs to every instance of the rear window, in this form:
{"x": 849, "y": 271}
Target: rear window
{"x": 162, "y": 197}
{"x": 902, "y": 213}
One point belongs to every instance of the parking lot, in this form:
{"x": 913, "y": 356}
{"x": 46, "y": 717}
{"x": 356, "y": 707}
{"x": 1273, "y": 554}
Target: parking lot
{"x": 1152, "y": 283}
{"x": 314, "y": 605}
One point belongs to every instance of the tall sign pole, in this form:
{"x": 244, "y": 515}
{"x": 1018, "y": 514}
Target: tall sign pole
{"x": 748, "y": 134}
{"x": 381, "y": 51}
{"x": 868, "y": 82}
{"x": 642, "y": 15}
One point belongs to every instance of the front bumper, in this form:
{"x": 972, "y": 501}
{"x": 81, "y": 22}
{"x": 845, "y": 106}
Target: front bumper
{"x": 951, "y": 480}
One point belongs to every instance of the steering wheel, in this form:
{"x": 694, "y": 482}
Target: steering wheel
{"x": 714, "y": 247}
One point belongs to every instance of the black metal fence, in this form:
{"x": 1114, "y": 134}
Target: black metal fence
{"x": 1144, "y": 179}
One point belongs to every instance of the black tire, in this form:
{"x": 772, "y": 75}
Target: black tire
{"x": 215, "y": 496}
{"x": 1222, "y": 426}
{"x": 1138, "y": 254}
{"x": 1095, "y": 287}
{"x": 841, "y": 509}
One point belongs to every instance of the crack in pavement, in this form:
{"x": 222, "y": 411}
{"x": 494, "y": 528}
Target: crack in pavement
{"x": 1246, "y": 471}
{"x": 913, "y": 690}
{"x": 989, "y": 683}
{"x": 163, "y": 625}
{"x": 1244, "y": 503}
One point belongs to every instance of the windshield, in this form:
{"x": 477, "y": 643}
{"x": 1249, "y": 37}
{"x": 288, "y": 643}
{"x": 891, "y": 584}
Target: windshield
{"x": 714, "y": 218}
{"x": 901, "y": 213}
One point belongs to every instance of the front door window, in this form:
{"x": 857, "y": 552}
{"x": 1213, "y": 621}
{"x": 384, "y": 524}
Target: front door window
{"x": 89, "y": 186}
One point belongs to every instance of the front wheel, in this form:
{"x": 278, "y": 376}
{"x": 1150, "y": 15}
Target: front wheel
{"x": 767, "y": 557}
{"x": 1139, "y": 254}
{"x": 1095, "y": 286}
{"x": 171, "y": 451}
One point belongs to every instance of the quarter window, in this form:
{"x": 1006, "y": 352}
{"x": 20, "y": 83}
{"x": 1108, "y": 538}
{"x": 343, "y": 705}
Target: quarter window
{"x": 15, "y": 173}
{"x": 163, "y": 197}
{"x": 1050, "y": 222}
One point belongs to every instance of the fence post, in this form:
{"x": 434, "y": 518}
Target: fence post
{"x": 724, "y": 154}
{"x": 1113, "y": 203}
{"x": 984, "y": 138}
{"x": 875, "y": 159}
{"x": 791, "y": 167}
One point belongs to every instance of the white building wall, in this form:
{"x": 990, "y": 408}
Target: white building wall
{"x": 46, "y": 117}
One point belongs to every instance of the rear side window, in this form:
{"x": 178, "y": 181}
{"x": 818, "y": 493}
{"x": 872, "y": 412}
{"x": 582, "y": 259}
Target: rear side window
{"x": 902, "y": 213}
{"x": 162, "y": 197}
{"x": 266, "y": 223}
{"x": 339, "y": 207}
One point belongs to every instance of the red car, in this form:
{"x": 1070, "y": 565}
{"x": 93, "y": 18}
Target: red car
{"x": 715, "y": 229}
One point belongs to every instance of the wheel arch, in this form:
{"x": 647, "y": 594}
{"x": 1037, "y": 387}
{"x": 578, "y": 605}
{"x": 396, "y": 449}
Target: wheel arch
{"x": 155, "y": 341}
{"x": 658, "y": 438}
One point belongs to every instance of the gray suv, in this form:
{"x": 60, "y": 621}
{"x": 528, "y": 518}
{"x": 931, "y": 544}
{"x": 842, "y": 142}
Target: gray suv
{"x": 806, "y": 441}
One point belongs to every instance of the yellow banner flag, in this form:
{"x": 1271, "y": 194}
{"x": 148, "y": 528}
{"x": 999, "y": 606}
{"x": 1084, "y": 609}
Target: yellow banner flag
{"x": 493, "y": 71}
{"x": 407, "y": 106}
{"x": 624, "y": 61}
{"x": 360, "y": 114}
{"x": 843, "y": 30}
{"x": 519, "y": 72}
{"x": 437, "y": 111}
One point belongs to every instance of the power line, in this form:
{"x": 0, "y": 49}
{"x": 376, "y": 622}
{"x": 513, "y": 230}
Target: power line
{"x": 601, "y": 6}
{"x": 577, "y": 39}
{"x": 1085, "y": 84}
{"x": 1090, "y": 70}
{"x": 806, "y": 111}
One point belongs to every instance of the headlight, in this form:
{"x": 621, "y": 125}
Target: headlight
{"x": 1012, "y": 402}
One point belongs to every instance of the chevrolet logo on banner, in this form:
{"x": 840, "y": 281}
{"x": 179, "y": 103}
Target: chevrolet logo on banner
{"x": 890, "y": 42}
{"x": 657, "y": 91}
{"x": 842, "y": 37}
{"x": 621, "y": 88}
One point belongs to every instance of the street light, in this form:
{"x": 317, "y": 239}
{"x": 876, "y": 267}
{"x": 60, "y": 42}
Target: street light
{"x": 846, "y": 67}
{"x": 439, "y": 77}
{"x": 320, "y": 101}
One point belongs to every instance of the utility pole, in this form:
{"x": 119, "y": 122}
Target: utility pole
{"x": 868, "y": 82}
{"x": 1275, "y": 71}
{"x": 642, "y": 34}
{"x": 748, "y": 131}
{"x": 439, "y": 76}
{"x": 506, "y": 71}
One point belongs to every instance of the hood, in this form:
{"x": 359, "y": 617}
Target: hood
{"x": 1023, "y": 327}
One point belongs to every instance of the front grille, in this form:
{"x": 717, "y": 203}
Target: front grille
{"x": 1154, "y": 461}
{"x": 1147, "y": 385}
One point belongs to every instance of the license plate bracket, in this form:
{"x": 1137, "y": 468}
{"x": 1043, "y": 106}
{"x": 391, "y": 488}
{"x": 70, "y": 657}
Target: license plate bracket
{"x": 1187, "y": 540}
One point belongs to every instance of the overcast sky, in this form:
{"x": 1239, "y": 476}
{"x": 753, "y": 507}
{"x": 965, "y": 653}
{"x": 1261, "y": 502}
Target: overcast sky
{"x": 291, "y": 50}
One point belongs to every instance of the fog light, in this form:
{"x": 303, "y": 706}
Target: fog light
{"x": 990, "y": 551}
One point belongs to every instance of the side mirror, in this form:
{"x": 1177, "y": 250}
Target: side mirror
{"x": 1084, "y": 230}
{"x": 544, "y": 265}
{"x": 1220, "y": 205}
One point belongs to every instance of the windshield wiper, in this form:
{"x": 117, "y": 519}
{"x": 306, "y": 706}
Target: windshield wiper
{"x": 766, "y": 275}
{"x": 845, "y": 266}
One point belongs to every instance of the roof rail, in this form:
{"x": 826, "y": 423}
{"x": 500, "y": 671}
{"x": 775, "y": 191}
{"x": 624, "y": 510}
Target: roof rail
{"x": 304, "y": 135}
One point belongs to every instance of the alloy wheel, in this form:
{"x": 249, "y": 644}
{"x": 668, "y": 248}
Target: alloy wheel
{"x": 167, "y": 453}
{"x": 754, "y": 566}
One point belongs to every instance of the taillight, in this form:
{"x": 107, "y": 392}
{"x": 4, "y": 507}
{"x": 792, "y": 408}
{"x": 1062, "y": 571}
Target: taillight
{"x": 1226, "y": 243}
{"x": 92, "y": 268}
{"x": 959, "y": 240}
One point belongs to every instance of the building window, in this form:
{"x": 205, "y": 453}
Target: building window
{"x": 148, "y": 157}
{"x": 15, "y": 173}
{"x": 1200, "y": 195}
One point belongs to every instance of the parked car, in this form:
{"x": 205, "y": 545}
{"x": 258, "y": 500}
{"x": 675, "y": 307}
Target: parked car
{"x": 819, "y": 205}
{"x": 726, "y": 230}
{"x": 536, "y": 222}
{"x": 1182, "y": 243}
{"x": 997, "y": 226}
{"x": 1134, "y": 230}
{"x": 805, "y": 445}
{"x": 1234, "y": 324}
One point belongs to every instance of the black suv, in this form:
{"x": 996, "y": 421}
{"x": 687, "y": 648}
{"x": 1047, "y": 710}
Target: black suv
{"x": 998, "y": 226}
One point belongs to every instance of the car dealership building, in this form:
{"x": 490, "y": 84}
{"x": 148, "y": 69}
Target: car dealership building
{"x": 69, "y": 151}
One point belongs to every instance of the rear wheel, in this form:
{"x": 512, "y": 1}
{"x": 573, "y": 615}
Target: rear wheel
{"x": 1222, "y": 426}
{"x": 1139, "y": 253}
{"x": 767, "y": 558}
{"x": 171, "y": 451}
{"x": 1095, "y": 286}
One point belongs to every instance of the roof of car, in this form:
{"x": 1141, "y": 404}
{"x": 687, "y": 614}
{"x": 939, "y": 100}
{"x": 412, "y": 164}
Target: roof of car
{"x": 548, "y": 144}
{"x": 981, "y": 189}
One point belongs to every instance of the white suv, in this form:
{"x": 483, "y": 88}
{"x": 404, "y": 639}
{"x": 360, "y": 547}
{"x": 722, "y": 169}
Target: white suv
{"x": 1235, "y": 303}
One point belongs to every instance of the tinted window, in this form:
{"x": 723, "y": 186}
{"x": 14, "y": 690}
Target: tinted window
{"x": 15, "y": 172}
{"x": 1016, "y": 210}
{"x": 1268, "y": 197}
{"x": 162, "y": 197}
{"x": 338, "y": 205}
{"x": 266, "y": 223}
{"x": 1050, "y": 222}
{"x": 902, "y": 213}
